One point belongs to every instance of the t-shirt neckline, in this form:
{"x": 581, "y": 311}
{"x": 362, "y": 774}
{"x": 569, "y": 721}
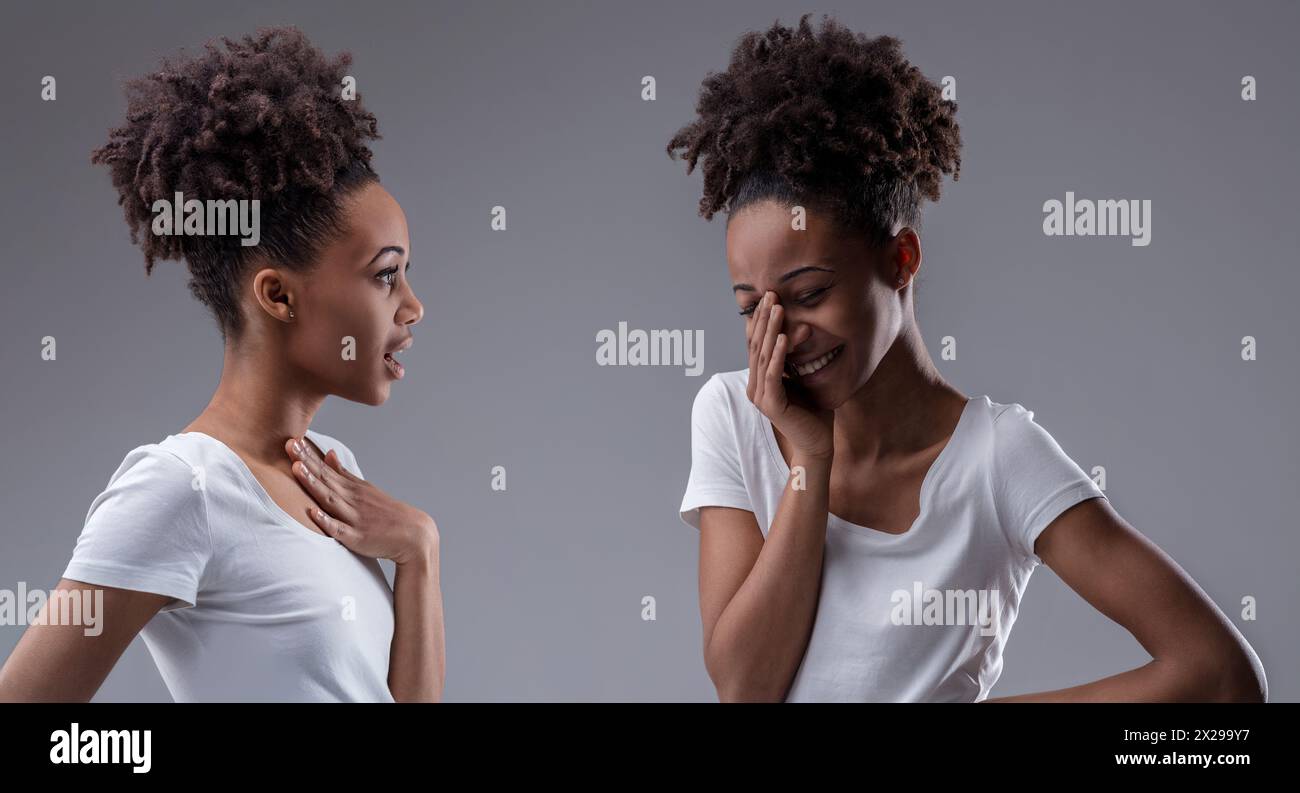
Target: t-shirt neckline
{"x": 251, "y": 479}
{"x": 774, "y": 449}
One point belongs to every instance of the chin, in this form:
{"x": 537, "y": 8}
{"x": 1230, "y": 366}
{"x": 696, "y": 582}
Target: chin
{"x": 830, "y": 395}
{"x": 831, "y": 400}
{"x": 826, "y": 396}
{"x": 372, "y": 395}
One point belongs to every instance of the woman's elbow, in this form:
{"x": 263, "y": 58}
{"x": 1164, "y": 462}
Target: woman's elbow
{"x": 736, "y": 682}
{"x": 1233, "y": 674}
{"x": 1243, "y": 678}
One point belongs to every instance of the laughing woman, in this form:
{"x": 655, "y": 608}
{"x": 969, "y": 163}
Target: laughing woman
{"x": 866, "y": 530}
{"x": 244, "y": 548}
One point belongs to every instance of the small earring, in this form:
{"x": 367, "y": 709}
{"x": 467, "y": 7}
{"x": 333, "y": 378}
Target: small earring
{"x": 290, "y": 313}
{"x": 901, "y": 280}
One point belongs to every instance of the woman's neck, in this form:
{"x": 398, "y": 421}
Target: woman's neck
{"x": 904, "y": 408}
{"x": 258, "y": 405}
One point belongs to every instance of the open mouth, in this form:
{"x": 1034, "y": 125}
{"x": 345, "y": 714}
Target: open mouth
{"x": 808, "y": 369}
{"x": 394, "y": 366}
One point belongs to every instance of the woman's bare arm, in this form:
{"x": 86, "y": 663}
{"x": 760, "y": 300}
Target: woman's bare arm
{"x": 758, "y": 599}
{"x": 61, "y": 663}
{"x": 1197, "y": 653}
{"x": 417, "y": 657}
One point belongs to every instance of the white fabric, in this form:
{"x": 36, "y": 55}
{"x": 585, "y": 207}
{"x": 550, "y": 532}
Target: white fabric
{"x": 263, "y": 608}
{"x": 999, "y": 481}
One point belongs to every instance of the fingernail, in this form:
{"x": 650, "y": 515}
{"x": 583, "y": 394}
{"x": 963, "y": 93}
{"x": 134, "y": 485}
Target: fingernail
{"x": 297, "y": 446}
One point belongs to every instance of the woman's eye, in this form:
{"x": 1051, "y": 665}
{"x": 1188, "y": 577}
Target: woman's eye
{"x": 804, "y": 299}
{"x": 388, "y": 276}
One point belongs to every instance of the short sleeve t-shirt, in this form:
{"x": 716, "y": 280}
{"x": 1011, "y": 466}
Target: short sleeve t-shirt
{"x": 921, "y": 616}
{"x": 262, "y": 609}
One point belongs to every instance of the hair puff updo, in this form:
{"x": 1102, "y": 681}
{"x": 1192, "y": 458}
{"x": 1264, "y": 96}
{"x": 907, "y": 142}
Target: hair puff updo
{"x": 263, "y": 117}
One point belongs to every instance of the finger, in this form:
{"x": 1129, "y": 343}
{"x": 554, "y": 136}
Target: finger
{"x": 775, "y": 318}
{"x": 776, "y": 366}
{"x": 333, "y": 527}
{"x": 332, "y": 500}
{"x": 301, "y": 449}
{"x": 332, "y": 457}
{"x": 752, "y": 336}
{"x": 758, "y": 331}
{"x": 755, "y": 322}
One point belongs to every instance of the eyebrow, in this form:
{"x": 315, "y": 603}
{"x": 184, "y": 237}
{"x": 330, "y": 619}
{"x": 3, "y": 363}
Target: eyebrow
{"x": 399, "y": 250}
{"x": 795, "y": 272}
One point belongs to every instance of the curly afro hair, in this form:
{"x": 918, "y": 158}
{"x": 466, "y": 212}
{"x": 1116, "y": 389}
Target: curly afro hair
{"x": 830, "y": 119}
{"x": 264, "y": 118}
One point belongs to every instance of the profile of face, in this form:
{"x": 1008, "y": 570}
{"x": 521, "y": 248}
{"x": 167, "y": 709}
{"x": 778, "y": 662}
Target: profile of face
{"x": 843, "y": 306}
{"x": 354, "y": 308}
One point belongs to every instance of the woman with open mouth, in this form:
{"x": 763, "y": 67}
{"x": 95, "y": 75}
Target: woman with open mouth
{"x": 854, "y": 507}
{"x": 244, "y": 548}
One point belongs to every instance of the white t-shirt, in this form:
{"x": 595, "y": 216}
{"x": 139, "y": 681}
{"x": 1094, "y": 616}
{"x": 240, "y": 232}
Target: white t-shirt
{"x": 915, "y": 617}
{"x": 264, "y": 608}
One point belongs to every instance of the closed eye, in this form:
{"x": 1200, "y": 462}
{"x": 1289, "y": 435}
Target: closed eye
{"x": 804, "y": 299}
{"x": 808, "y": 297}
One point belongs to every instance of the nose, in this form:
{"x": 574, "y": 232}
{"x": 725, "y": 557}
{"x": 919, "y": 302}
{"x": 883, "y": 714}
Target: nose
{"x": 412, "y": 310}
{"x": 797, "y": 332}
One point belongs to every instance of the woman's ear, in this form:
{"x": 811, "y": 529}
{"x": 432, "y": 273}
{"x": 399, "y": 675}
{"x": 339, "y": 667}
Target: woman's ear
{"x": 272, "y": 293}
{"x": 906, "y": 259}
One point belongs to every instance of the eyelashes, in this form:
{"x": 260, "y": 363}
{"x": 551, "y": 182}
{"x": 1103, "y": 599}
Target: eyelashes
{"x": 805, "y": 299}
{"x": 389, "y": 276}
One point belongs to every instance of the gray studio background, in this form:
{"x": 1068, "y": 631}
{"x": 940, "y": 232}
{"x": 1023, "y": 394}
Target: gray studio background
{"x": 1129, "y": 356}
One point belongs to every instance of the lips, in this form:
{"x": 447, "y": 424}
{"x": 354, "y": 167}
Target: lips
{"x": 811, "y": 366}
{"x": 390, "y": 358}
{"x": 394, "y": 367}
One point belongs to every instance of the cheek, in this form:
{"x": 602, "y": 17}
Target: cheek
{"x": 347, "y": 333}
{"x": 841, "y": 316}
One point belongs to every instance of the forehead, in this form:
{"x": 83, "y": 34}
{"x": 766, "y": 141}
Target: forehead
{"x": 762, "y": 242}
{"x": 373, "y": 219}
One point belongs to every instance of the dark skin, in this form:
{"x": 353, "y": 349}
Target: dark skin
{"x": 273, "y": 380}
{"x": 865, "y": 430}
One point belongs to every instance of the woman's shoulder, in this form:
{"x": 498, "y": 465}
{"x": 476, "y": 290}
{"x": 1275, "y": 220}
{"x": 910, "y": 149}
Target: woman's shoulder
{"x": 725, "y": 387}
{"x": 723, "y": 417}
{"x": 988, "y": 414}
{"x": 1013, "y": 433}
{"x": 723, "y": 396}
{"x": 162, "y": 461}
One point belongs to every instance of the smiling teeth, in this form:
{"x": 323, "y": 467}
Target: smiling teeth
{"x": 803, "y": 370}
